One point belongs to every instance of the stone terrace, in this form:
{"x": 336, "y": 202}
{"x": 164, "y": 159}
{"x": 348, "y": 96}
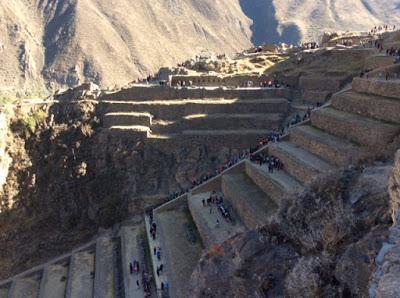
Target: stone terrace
{"x": 329, "y": 142}
{"x": 98, "y": 269}
{"x": 187, "y": 114}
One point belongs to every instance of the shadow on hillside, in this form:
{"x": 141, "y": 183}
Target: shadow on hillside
{"x": 265, "y": 25}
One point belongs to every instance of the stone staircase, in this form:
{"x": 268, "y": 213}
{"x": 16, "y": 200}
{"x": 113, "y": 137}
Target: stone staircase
{"x": 97, "y": 269}
{"x": 318, "y": 89}
{"x": 338, "y": 135}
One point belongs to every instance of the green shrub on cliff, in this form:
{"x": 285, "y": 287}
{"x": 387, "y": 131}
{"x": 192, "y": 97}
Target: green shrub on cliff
{"x": 32, "y": 120}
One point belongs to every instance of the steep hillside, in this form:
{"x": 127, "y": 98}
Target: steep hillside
{"x": 292, "y": 21}
{"x": 45, "y": 44}
{"x": 110, "y": 42}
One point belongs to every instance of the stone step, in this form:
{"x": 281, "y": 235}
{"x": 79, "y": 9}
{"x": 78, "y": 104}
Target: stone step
{"x": 127, "y": 119}
{"x": 250, "y": 202}
{"x": 181, "y": 247}
{"x": 234, "y": 139}
{"x": 277, "y": 184}
{"x": 316, "y": 96}
{"x": 206, "y": 218}
{"x": 219, "y": 122}
{"x": 226, "y": 132}
{"x": 25, "y": 287}
{"x": 322, "y": 83}
{"x": 104, "y": 278}
{"x": 81, "y": 275}
{"x": 130, "y": 132}
{"x": 150, "y": 92}
{"x": 54, "y": 281}
{"x": 389, "y": 88}
{"x": 337, "y": 151}
{"x": 377, "y": 107}
{"x": 3, "y": 292}
{"x": 156, "y": 242}
{"x": 174, "y": 109}
{"x": 378, "y": 61}
{"x": 364, "y": 131}
{"x": 299, "y": 163}
{"x": 131, "y": 250}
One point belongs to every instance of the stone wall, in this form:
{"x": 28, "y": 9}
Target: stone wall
{"x": 165, "y": 92}
{"x": 378, "y": 62}
{"x": 377, "y": 87}
{"x": 176, "y": 110}
{"x": 316, "y": 96}
{"x": 394, "y": 189}
{"x": 392, "y": 70}
{"x": 323, "y": 83}
{"x": 214, "y": 143}
{"x": 5, "y": 159}
{"x": 377, "y": 136}
{"x": 215, "y": 80}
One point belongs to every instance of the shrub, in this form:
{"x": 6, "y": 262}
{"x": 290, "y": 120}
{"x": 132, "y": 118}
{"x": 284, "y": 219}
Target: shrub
{"x": 32, "y": 120}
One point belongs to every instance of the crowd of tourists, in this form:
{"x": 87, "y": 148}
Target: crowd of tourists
{"x": 347, "y": 42}
{"x": 271, "y": 84}
{"x": 217, "y": 200}
{"x": 272, "y": 137}
{"x": 382, "y": 29}
{"x": 146, "y": 278}
{"x": 310, "y": 45}
{"x": 157, "y": 252}
{"x": 273, "y": 163}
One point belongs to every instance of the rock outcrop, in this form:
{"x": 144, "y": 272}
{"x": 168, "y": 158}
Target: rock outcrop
{"x": 387, "y": 275}
{"x": 325, "y": 241}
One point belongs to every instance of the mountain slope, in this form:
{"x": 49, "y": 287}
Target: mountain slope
{"x": 293, "y": 21}
{"x": 110, "y": 42}
{"x": 45, "y": 44}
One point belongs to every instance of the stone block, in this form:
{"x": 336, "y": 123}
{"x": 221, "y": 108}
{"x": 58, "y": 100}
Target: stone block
{"x": 129, "y": 132}
{"x": 378, "y": 61}
{"x": 181, "y": 248}
{"x": 127, "y": 119}
{"x": 206, "y": 221}
{"x": 175, "y": 109}
{"x": 104, "y": 282}
{"x": 390, "y": 88}
{"x": 276, "y": 185}
{"x": 377, "y": 107}
{"x": 145, "y": 93}
{"x": 370, "y": 133}
{"x": 54, "y": 281}
{"x": 299, "y": 163}
{"x": 321, "y": 83}
{"x": 337, "y": 151}
{"x": 250, "y": 202}
{"x": 220, "y": 122}
{"x": 315, "y": 96}
{"x": 25, "y": 286}
{"x": 80, "y": 275}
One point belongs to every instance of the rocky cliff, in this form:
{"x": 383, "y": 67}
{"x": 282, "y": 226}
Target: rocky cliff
{"x": 322, "y": 243}
{"x": 60, "y": 157}
{"x": 387, "y": 282}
